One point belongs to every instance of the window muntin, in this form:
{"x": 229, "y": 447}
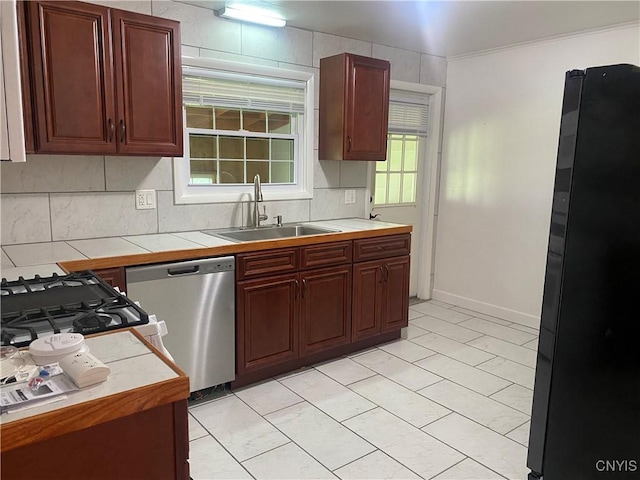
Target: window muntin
{"x": 396, "y": 177}
{"x": 231, "y": 146}
{"x": 277, "y": 102}
{"x": 395, "y": 180}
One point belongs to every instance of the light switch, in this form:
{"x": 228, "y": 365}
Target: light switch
{"x": 349, "y": 197}
{"x": 145, "y": 199}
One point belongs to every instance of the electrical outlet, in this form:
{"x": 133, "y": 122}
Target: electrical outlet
{"x": 349, "y": 197}
{"x": 145, "y": 199}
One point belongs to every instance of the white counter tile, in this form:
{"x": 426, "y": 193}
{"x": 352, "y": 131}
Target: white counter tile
{"x": 106, "y": 247}
{"x": 131, "y": 372}
{"x": 40, "y": 253}
{"x": 29, "y": 272}
{"x": 203, "y": 239}
{"x": 161, "y": 242}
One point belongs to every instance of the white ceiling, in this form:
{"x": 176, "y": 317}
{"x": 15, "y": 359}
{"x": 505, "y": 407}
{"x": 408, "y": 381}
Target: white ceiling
{"x": 448, "y": 28}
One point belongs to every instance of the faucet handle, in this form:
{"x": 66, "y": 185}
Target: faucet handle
{"x": 278, "y": 220}
{"x": 263, "y": 215}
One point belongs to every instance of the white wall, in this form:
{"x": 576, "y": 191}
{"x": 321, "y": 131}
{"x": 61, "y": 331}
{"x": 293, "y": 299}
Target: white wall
{"x": 57, "y": 197}
{"x": 502, "y": 119}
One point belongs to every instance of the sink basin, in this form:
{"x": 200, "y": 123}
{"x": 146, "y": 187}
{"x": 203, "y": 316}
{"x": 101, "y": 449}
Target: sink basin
{"x": 269, "y": 233}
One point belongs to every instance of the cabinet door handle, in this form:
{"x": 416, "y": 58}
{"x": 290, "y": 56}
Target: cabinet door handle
{"x": 297, "y": 288}
{"x": 122, "y": 131}
{"x": 386, "y": 273}
{"x": 304, "y": 287}
{"x": 348, "y": 143}
{"x": 112, "y": 129}
{"x": 381, "y": 274}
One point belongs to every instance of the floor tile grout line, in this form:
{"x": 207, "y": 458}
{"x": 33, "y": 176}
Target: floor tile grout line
{"x": 502, "y": 477}
{"x": 465, "y": 386}
{"x": 469, "y": 418}
{"x": 470, "y": 346}
{"x": 468, "y": 456}
{"x": 223, "y": 447}
{"x": 510, "y": 431}
{"x": 384, "y": 453}
{"x": 309, "y": 453}
{"x": 438, "y": 403}
{"x": 404, "y": 386}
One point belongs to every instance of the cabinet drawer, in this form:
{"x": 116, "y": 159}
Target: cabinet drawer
{"x": 266, "y": 263}
{"x": 325, "y": 255}
{"x": 381, "y": 247}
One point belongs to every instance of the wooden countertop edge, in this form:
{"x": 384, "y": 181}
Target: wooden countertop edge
{"x": 95, "y": 412}
{"x": 231, "y": 249}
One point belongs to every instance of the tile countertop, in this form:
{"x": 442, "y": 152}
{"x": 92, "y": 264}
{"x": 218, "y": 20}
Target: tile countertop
{"x": 136, "y": 371}
{"x": 27, "y": 260}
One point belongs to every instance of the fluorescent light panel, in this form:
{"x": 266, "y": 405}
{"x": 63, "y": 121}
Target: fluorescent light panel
{"x": 253, "y": 15}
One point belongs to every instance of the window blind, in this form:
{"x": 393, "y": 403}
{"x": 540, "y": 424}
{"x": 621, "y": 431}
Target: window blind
{"x": 234, "y": 90}
{"x": 408, "y": 112}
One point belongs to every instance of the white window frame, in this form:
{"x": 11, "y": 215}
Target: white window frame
{"x": 184, "y": 193}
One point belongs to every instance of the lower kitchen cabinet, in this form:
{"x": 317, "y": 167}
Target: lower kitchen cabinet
{"x": 113, "y": 276}
{"x": 267, "y": 321}
{"x": 151, "y": 444}
{"x": 380, "y": 296}
{"x": 325, "y": 313}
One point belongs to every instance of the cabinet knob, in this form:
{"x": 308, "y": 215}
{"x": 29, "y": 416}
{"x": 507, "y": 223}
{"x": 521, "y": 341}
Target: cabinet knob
{"x": 112, "y": 129}
{"x": 304, "y": 287}
{"x": 122, "y": 131}
{"x": 348, "y": 143}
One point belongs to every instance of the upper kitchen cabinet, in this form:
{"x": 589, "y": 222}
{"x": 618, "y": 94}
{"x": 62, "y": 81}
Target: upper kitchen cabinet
{"x": 103, "y": 81}
{"x": 12, "y": 141}
{"x": 354, "y": 108}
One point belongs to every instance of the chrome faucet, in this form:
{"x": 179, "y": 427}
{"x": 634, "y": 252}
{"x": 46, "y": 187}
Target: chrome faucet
{"x": 257, "y": 198}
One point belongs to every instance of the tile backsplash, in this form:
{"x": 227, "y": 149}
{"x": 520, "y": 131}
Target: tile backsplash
{"x": 57, "y": 197}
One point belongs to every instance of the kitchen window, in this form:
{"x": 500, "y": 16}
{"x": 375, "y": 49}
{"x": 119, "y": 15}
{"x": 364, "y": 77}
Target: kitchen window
{"x": 395, "y": 180}
{"x": 242, "y": 120}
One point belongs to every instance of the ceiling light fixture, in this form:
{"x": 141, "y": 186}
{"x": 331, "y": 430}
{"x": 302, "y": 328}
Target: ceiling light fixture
{"x": 252, "y": 14}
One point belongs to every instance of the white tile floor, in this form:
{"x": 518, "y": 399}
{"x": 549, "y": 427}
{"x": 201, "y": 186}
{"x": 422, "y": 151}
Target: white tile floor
{"x": 452, "y": 401}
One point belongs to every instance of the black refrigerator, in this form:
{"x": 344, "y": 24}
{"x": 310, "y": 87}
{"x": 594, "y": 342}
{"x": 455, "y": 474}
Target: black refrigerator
{"x": 585, "y": 421}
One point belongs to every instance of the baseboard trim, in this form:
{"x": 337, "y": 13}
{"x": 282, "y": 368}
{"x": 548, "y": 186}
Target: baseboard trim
{"x": 488, "y": 309}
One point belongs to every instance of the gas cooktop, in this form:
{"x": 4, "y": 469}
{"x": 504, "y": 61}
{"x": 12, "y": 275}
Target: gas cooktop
{"x": 78, "y": 302}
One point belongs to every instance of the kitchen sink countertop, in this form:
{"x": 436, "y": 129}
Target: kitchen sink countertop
{"x": 28, "y": 260}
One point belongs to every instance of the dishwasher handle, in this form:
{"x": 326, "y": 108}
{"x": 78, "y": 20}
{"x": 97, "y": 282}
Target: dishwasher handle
{"x": 176, "y": 270}
{"x": 172, "y": 272}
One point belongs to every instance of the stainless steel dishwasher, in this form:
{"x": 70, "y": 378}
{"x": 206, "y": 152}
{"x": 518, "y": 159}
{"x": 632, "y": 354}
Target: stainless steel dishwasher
{"x": 196, "y": 299}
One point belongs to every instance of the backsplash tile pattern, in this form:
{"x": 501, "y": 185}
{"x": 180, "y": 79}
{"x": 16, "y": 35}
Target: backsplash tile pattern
{"x": 25, "y": 218}
{"x": 56, "y": 197}
{"x": 110, "y": 214}
{"x": 54, "y": 173}
{"x": 135, "y": 173}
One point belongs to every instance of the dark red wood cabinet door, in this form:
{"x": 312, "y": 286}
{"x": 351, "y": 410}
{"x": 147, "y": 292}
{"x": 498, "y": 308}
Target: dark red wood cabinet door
{"x": 367, "y": 108}
{"x": 114, "y": 276}
{"x": 325, "y": 312}
{"x": 396, "y": 299}
{"x": 267, "y": 321}
{"x": 71, "y": 43}
{"x": 368, "y": 291}
{"x": 149, "y": 84}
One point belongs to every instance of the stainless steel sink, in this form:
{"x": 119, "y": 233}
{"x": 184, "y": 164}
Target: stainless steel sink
{"x": 269, "y": 233}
